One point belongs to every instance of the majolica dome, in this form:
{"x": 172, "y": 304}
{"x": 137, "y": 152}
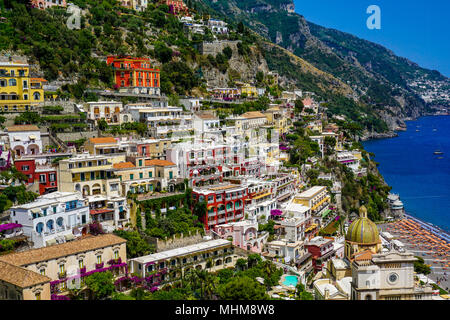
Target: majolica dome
{"x": 363, "y": 230}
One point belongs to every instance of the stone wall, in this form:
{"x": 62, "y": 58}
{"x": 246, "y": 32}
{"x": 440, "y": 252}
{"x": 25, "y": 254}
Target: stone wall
{"x": 71, "y": 136}
{"x": 177, "y": 241}
{"x": 216, "y": 47}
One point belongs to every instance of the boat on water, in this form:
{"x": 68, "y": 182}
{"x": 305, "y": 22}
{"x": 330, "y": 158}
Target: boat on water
{"x": 434, "y": 129}
{"x": 417, "y": 130}
{"x": 440, "y": 157}
{"x": 438, "y": 152}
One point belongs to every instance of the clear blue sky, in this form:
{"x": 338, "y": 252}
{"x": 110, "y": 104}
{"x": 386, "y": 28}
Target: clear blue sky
{"x": 415, "y": 29}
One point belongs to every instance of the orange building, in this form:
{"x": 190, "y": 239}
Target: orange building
{"x": 135, "y": 75}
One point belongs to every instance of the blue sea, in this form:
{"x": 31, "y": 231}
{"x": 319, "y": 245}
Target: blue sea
{"x": 409, "y": 166}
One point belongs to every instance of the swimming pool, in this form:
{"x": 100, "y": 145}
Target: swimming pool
{"x": 290, "y": 280}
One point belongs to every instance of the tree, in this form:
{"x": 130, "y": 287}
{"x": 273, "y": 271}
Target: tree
{"x": 241, "y": 264}
{"x": 102, "y": 124}
{"x": 299, "y": 106}
{"x": 162, "y": 52}
{"x": 136, "y": 245}
{"x": 100, "y": 284}
{"x": 421, "y": 267}
{"x": 242, "y": 288}
{"x": 330, "y": 143}
{"x": 225, "y": 275}
{"x": 253, "y": 260}
{"x": 302, "y": 294}
{"x": 228, "y": 52}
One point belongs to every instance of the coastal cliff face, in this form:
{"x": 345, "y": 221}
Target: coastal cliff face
{"x": 377, "y": 76}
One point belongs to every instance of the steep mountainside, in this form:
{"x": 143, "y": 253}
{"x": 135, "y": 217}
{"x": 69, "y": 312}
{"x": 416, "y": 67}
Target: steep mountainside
{"x": 376, "y": 74}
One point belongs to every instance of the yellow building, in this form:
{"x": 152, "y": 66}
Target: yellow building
{"x": 90, "y": 175}
{"x": 18, "y": 283}
{"x": 66, "y": 265}
{"x": 277, "y": 119}
{"x": 18, "y": 91}
{"x": 316, "y": 198}
{"x": 142, "y": 176}
{"x": 249, "y": 90}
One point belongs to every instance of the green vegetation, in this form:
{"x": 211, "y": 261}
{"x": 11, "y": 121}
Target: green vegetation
{"x": 100, "y": 285}
{"x": 136, "y": 244}
{"x": 421, "y": 267}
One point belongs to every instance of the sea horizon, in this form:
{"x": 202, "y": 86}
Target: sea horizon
{"x": 421, "y": 178}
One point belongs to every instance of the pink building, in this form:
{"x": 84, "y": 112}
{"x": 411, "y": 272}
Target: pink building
{"x": 44, "y": 4}
{"x": 245, "y": 235}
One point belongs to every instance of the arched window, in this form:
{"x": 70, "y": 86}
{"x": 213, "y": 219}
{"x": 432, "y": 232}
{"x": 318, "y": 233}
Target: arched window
{"x": 36, "y": 96}
{"x": 368, "y": 297}
{"x": 39, "y": 227}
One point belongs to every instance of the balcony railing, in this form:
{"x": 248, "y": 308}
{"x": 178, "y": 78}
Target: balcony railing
{"x": 82, "y": 270}
{"x": 99, "y": 265}
{"x": 62, "y": 275}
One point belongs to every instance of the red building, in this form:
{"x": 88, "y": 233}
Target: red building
{"x": 224, "y": 203}
{"x": 176, "y": 7}
{"x": 321, "y": 249}
{"x": 135, "y": 75}
{"x": 44, "y": 176}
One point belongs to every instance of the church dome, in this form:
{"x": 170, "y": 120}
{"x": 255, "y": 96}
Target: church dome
{"x": 363, "y": 230}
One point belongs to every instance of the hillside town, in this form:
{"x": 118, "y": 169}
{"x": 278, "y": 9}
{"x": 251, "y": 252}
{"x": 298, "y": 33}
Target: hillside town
{"x": 142, "y": 192}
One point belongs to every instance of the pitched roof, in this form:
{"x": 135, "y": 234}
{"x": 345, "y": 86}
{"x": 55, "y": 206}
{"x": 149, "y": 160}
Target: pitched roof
{"x": 206, "y": 116}
{"x": 62, "y": 250}
{"x": 102, "y": 140}
{"x": 158, "y": 162}
{"x": 363, "y": 255}
{"x": 253, "y": 114}
{"x": 123, "y": 165}
{"x": 20, "y": 277}
{"x": 23, "y": 127}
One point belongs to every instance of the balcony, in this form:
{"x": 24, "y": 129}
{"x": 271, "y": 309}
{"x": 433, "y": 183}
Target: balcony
{"x": 99, "y": 265}
{"x": 82, "y": 270}
{"x": 62, "y": 275}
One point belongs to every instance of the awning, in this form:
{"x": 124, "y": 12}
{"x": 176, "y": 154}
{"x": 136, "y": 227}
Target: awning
{"x": 8, "y": 226}
{"x": 262, "y": 195}
{"x": 36, "y": 210}
{"x": 69, "y": 237}
{"x": 325, "y": 213}
{"x": 99, "y": 211}
{"x": 32, "y": 137}
{"x": 50, "y": 242}
{"x": 313, "y": 226}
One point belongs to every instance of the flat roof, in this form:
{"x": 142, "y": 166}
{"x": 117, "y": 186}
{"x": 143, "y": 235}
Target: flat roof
{"x": 199, "y": 247}
{"x": 311, "y": 192}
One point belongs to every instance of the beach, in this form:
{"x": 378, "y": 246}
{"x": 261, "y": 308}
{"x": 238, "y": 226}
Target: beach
{"x": 426, "y": 241}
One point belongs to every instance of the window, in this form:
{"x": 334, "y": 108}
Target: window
{"x": 116, "y": 254}
{"x": 12, "y": 82}
{"x": 81, "y": 263}
{"x": 38, "y": 296}
{"x": 150, "y": 174}
{"x": 52, "y": 177}
{"x": 25, "y": 168}
{"x": 62, "y": 268}
{"x": 99, "y": 259}
{"x": 131, "y": 176}
{"x": 170, "y": 175}
{"x": 42, "y": 178}
{"x": 141, "y": 175}
{"x": 140, "y": 163}
{"x": 42, "y": 271}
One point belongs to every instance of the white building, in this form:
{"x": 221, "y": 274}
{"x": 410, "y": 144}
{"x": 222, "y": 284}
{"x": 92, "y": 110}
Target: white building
{"x": 111, "y": 212}
{"x": 52, "y": 218}
{"x": 218, "y": 26}
{"x": 25, "y": 139}
{"x": 111, "y": 111}
{"x": 205, "y": 122}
